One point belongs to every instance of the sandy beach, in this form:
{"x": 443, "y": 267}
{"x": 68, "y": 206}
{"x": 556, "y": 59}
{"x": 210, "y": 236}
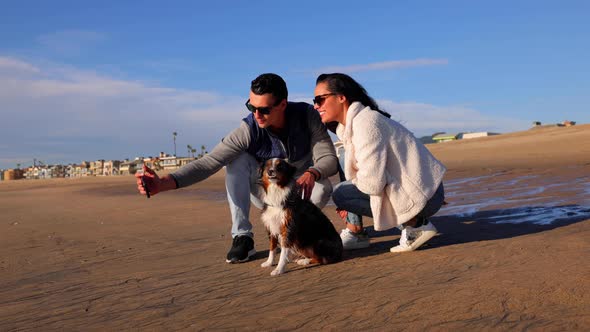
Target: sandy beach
{"x": 511, "y": 254}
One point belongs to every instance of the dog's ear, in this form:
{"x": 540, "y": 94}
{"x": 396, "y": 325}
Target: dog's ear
{"x": 261, "y": 167}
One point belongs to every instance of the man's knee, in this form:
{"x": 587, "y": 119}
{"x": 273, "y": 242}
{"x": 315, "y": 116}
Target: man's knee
{"x": 322, "y": 191}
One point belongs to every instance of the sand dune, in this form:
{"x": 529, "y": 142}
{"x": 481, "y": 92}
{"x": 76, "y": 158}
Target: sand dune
{"x": 91, "y": 254}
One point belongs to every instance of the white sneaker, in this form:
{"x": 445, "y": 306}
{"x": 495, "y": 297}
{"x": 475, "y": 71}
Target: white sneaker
{"x": 412, "y": 238}
{"x": 352, "y": 240}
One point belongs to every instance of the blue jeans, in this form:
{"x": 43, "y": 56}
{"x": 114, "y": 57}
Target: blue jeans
{"x": 243, "y": 187}
{"x": 348, "y": 197}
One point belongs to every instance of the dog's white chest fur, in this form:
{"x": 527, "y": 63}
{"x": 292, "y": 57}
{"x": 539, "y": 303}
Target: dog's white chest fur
{"x": 274, "y": 215}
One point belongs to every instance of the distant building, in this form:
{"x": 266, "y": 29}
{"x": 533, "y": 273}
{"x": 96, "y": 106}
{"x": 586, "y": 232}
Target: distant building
{"x": 97, "y": 167}
{"x": 13, "y": 174}
{"x": 80, "y": 170}
{"x": 168, "y": 162}
{"x": 130, "y": 167}
{"x": 111, "y": 167}
{"x": 446, "y": 137}
{"x": 478, "y": 134}
{"x": 567, "y": 123}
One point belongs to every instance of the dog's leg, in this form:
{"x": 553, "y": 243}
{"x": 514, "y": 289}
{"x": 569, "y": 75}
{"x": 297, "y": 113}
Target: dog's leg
{"x": 303, "y": 261}
{"x": 307, "y": 261}
{"x": 271, "y": 251}
{"x": 271, "y": 258}
{"x": 283, "y": 259}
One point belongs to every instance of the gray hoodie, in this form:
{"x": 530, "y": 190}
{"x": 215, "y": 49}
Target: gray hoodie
{"x": 319, "y": 155}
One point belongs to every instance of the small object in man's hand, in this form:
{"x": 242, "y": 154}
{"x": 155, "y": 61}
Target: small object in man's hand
{"x": 147, "y": 191}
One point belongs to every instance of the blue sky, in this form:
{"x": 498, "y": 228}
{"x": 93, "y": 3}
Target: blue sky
{"x": 114, "y": 79}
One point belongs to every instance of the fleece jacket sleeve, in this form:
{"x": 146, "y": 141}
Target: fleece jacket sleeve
{"x": 371, "y": 155}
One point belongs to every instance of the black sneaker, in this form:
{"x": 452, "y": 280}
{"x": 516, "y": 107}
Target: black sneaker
{"x": 242, "y": 248}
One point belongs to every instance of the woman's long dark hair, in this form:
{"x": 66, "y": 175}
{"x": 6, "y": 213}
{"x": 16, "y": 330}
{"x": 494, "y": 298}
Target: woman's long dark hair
{"x": 345, "y": 85}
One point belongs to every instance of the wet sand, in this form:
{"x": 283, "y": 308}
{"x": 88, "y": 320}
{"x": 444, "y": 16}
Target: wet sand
{"x": 512, "y": 254}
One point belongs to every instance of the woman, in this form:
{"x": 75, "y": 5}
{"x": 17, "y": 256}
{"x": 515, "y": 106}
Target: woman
{"x": 391, "y": 176}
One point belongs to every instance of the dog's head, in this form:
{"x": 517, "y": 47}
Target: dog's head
{"x": 277, "y": 171}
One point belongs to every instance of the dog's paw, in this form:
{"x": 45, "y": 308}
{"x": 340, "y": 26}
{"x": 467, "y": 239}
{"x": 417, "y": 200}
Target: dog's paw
{"x": 276, "y": 272}
{"x": 266, "y": 264}
{"x": 303, "y": 261}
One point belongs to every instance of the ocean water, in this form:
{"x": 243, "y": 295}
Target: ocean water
{"x": 535, "y": 199}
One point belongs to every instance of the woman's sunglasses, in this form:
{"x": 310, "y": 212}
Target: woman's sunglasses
{"x": 261, "y": 110}
{"x": 319, "y": 100}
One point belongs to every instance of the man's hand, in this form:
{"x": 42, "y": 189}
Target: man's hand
{"x": 306, "y": 183}
{"x": 151, "y": 181}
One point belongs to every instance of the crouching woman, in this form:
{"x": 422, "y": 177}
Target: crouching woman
{"x": 390, "y": 175}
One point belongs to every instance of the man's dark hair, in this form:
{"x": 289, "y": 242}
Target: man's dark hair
{"x": 270, "y": 83}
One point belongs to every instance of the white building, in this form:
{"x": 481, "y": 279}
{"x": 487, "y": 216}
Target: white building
{"x": 479, "y": 134}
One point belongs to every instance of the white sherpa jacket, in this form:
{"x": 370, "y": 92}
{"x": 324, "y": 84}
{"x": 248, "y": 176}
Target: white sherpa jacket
{"x": 384, "y": 160}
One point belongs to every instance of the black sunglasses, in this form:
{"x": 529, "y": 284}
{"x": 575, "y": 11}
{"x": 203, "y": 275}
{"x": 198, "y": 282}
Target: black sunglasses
{"x": 261, "y": 110}
{"x": 319, "y": 100}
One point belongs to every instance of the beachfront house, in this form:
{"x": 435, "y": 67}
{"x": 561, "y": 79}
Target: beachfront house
{"x": 57, "y": 171}
{"x": 111, "y": 167}
{"x": 30, "y": 173}
{"x": 96, "y": 167}
{"x": 444, "y": 137}
{"x": 80, "y": 170}
{"x": 168, "y": 162}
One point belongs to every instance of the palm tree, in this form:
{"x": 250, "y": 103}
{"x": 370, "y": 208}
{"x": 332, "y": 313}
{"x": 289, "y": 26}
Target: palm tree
{"x": 193, "y": 151}
{"x": 18, "y": 166}
{"x": 174, "y": 134}
{"x": 202, "y": 151}
{"x": 190, "y": 148}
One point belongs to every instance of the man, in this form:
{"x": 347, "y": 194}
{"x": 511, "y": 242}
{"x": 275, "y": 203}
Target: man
{"x": 274, "y": 129}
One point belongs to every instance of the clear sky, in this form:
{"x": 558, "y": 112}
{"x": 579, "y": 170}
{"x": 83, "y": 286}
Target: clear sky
{"x": 84, "y": 80}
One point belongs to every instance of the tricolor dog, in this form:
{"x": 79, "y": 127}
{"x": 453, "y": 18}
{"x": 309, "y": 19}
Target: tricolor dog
{"x": 296, "y": 224}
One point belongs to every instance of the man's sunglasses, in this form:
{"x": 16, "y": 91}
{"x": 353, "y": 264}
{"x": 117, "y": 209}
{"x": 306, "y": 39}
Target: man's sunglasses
{"x": 261, "y": 110}
{"x": 319, "y": 100}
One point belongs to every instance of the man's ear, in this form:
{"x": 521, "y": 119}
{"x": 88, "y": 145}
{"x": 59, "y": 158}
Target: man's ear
{"x": 283, "y": 104}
